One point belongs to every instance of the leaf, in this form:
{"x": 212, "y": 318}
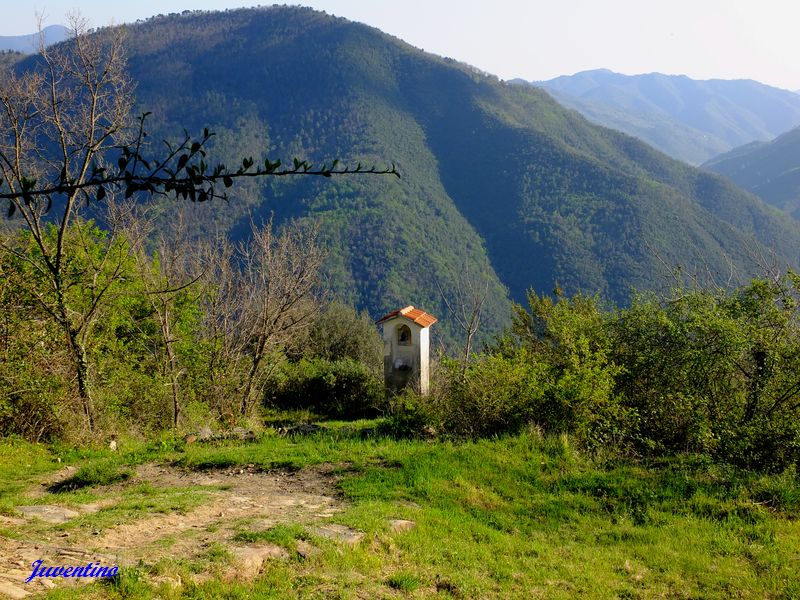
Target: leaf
{"x": 184, "y": 158}
{"x": 122, "y": 162}
{"x": 195, "y": 148}
{"x": 101, "y": 193}
{"x": 12, "y": 208}
{"x": 227, "y": 181}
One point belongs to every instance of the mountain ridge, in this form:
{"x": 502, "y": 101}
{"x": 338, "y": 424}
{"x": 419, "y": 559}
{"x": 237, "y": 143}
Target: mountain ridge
{"x": 497, "y": 179}
{"x": 692, "y": 120}
{"x": 771, "y": 170}
{"x": 27, "y": 44}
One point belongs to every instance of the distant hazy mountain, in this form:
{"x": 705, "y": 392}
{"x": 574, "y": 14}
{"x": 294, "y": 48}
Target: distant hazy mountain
{"x": 770, "y": 170}
{"x": 28, "y": 43}
{"x": 688, "y": 119}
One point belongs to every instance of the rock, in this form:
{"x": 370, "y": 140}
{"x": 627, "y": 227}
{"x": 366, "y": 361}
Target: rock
{"x": 48, "y": 512}
{"x": 243, "y": 434}
{"x": 250, "y": 559}
{"x": 301, "y": 429}
{"x": 205, "y": 434}
{"x": 12, "y": 591}
{"x": 306, "y": 550}
{"x": 398, "y": 525}
{"x": 351, "y": 537}
{"x": 112, "y": 445}
{"x": 172, "y": 582}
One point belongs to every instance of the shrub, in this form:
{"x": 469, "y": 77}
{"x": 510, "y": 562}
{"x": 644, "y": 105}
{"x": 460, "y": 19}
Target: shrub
{"x": 716, "y": 372}
{"x": 339, "y": 389}
{"x": 411, "y": 416}
{"x": 339, "y": 332}
{"x": 495, "y": 395}
{"x": 567, "y": 344}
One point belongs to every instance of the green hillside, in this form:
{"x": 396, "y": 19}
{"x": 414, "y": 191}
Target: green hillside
{"x": 688, "y": 119}
{"x": 496, "y": 177}
{"x": 769, "y": 170}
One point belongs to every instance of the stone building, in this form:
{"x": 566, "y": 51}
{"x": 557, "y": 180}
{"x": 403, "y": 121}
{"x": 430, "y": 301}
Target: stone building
{"x": 406, "y": 348}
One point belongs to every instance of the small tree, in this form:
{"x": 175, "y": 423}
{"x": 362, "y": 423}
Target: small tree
{"x": 280, "y": 273}
{"x": 466, "y": 307}
{"x": 259, "y": 300}
{"x": 66, "y": 137}
{"x": 167, "y": 279}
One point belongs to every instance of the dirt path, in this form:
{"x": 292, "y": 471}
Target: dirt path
{"x": 232, "y": 497}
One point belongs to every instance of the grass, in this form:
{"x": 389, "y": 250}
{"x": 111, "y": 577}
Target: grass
{"x": 403, "y": 581}
{"x": 516, "y": 517}
{"x": 281, "y": 535}
{"x": 97, "y": 473}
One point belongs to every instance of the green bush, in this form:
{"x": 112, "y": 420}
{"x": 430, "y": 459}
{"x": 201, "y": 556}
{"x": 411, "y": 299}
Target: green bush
{"x": 715, "y": 372}
{"x": 411, "y": 416}
{"x": 494, "y": 395}
{"x": 340, "y": 332}
{"x": 339, "y": 389}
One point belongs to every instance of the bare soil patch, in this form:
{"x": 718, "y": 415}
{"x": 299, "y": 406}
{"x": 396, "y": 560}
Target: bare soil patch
{"x": 232, "y": 497}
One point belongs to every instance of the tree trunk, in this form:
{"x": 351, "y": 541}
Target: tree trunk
{"x": 82, "y": 372}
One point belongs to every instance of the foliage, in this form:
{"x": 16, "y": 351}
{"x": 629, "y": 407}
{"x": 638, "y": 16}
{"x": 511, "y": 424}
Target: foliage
{"x": 411, "y": 415}
{"x": 340, "y": 389}
{"x": 340, "y": 332}
{"x": 716, "y": 372}
{"x": 700, "y": 371}
{"x": 495, "y": 395}
{"x": 551, "y": 370}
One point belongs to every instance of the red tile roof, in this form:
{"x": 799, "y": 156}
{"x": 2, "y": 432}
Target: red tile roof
{"x": 420, "y": 317}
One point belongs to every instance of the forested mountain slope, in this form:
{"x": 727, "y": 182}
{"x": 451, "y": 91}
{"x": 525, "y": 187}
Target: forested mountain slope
{"x": 689, "y": 119}
{"x": 770, "y": 170}
{"x": 496, "y": 179}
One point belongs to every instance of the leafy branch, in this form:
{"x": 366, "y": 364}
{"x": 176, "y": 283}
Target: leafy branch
{"x": 183, "y": 172}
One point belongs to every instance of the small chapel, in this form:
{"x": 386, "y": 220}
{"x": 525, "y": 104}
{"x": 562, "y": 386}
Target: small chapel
{"x": 406, "y": 349}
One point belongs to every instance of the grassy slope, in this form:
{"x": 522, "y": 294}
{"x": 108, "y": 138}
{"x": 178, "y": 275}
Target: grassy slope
{"x": 515, "y": 517}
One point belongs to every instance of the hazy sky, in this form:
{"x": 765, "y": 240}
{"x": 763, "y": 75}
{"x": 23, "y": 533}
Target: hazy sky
{"x": 537, "y": 39}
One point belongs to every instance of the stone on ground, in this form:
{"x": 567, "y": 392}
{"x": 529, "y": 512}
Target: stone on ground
{"x": 306, "y": 550}
{"x": 398, "y": 525}
{"x": 250, "y": 559}
{"x": 351, "y": 537}
{"x": 11, "y": 590}
{"x": 48, "y": 512}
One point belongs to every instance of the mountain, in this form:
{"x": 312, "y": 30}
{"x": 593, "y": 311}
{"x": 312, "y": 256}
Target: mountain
{"x": 497, "y": 179}
{"x": 28, "y": 43}
{"x": 688, "y": 119}
{"x": 770, "y": 170}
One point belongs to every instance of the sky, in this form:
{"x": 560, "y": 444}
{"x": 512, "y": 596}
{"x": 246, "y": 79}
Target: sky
{"x": 535, "y": 39}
